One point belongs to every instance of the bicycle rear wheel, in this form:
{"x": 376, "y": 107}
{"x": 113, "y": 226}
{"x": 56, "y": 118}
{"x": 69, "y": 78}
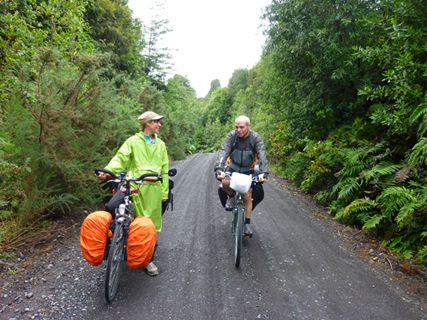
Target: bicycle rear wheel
{"x": 238, "y": 234}
{"x": 114, "y": 264}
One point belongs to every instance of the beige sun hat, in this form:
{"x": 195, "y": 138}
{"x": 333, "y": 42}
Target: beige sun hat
{"x": 148, "y": 116}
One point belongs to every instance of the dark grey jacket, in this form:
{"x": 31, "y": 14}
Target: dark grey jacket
{"x": 242, "y": 152}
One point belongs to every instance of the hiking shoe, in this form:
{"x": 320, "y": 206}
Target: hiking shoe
{"x": 248, "y": 230}
{"x": 152, "y": 269}
{"x": 229, "y": 203}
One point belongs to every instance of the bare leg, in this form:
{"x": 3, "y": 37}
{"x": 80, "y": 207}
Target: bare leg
{"x": 226, "y": 186}
{"x": 247, "y": 200}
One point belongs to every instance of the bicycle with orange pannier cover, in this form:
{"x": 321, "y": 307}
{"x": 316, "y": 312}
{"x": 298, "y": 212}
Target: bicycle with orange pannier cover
{"x": 118, "y": 236}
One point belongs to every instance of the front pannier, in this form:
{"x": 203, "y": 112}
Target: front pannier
{"x": 93, "y": 236}
{"x": 257, "y": 195}
{"x": 141, "y": 242}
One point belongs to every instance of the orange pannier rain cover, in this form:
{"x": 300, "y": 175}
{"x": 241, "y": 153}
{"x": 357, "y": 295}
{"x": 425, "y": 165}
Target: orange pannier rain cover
{"x": 141, "y": 242}
{"x": 93, "y": 236}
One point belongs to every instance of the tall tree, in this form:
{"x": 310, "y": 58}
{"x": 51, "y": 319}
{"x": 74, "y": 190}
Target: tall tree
{"x": 215, "y": 84}
{"x": 180, "y": 99}
{"x": 237, "y": 82}
{"x": 116, "y": 32}
{"x": 312, "y": 44}
{"x": 157, "y": 63}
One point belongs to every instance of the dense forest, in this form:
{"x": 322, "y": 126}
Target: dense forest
{"x": 339, "y": 96}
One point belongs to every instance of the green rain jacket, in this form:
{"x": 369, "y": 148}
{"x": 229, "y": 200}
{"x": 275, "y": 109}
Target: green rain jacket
{"x": 138, "y": 156}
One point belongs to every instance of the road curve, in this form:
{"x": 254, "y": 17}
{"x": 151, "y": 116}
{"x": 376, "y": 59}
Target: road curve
{"x": 294, "y": 267}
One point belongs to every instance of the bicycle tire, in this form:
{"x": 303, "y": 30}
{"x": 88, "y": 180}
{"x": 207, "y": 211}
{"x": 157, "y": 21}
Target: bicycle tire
{"x": 238, "y": 234}
{"x": 114, "y": 264}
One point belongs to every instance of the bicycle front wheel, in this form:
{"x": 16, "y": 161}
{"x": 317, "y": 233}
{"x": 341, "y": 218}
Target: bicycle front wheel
{"x": 114, "y": 264}
{"x": 238, "y": 234}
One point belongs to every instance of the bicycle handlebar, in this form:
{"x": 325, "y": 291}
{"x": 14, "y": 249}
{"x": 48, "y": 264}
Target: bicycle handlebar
{"x": 146, "y": 176}
{"x": 255, "y": 177}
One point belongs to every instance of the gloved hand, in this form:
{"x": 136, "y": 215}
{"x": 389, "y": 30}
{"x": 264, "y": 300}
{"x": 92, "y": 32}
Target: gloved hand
{"x": 220, "y": 174}
{"x": 103, "y": 176}
{"x": 263, "y": 177}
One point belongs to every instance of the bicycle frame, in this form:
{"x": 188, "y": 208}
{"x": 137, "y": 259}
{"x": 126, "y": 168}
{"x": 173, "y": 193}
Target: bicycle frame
{"x": 238, "y": 203}
{"x": 123, "y": 217}
{"x": 238, "y": 226}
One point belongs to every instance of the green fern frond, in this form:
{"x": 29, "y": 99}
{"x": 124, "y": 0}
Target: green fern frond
{"x": 405, "y": 217}
{"x": 418, "y": 154}
{"x": 63, "y": 202}
{"x": 352, "y": 170}
{"x": 347, "y": 187}
{"x": 354, "y": 156}
{"x": 422, "y": 254}
{"x": 323, "y": 197}
{"x": 354, "y": 162}
{"x": 381, "y": 169}
{"x": 340, "y": 214}
{"x": 394, "y": 198}
{"x": 400, "y": 245}
{"x": 419, "y": 112}
{"x": 360, "y": 205}
{"x": 357, "y": 160}
{"x": 334, "y": 207}
{"x": 372, "y": 222}
{"x": 360, "y": 209}
{"x": 422, "y": 198}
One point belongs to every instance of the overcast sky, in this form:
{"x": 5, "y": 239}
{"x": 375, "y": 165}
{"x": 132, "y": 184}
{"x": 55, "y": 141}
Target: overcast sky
{"x": 210, "y": 39}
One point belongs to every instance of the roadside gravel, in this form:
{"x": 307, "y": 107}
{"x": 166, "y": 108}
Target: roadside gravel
{"x": 53, "y": 282}
{"x": 406, "y": 275}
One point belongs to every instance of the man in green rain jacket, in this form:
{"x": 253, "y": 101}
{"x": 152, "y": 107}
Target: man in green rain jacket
{"x": 142, "y": 153}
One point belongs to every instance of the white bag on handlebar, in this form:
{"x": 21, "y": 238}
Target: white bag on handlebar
{"x": 240, "y": 182}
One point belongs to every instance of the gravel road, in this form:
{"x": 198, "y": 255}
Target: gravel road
{"x": 298, "y": 265}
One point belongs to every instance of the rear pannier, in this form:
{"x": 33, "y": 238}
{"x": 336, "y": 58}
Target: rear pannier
{"x": 93, "y": 236}
{"x": 141, "y": 242}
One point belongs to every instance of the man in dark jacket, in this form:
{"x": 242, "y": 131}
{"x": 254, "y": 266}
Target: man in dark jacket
{"x": 242, "y": 149}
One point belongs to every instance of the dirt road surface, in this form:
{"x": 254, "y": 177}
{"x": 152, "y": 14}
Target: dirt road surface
{"x": 299, "y": 264}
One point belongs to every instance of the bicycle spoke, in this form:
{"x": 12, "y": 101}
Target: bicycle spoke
{"x": 114, "y": 263}
{"x": 238, "y": 234}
